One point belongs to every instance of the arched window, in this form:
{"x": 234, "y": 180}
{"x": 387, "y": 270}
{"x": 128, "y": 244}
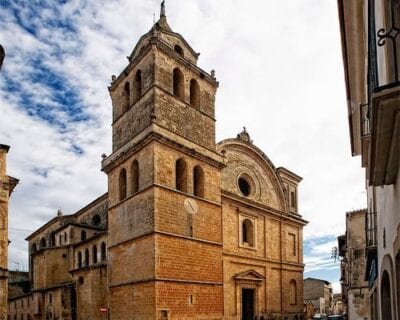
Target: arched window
{"x": 181, "y": 175}
{"x": 138, "y": 85}
{"x": 126, "y": 97}
{"x": 83, "y": 235}
{"x": 96, "y": 220}
{"x": 135, "y": 176}
{"x": 194, "y": 93}
{"x": 65, "y": 236}
{"x": 386, "y": 296}
{"x": 122, "y": 184}
{"x": 86, "y": 257}
{"x": 198, "y": 181}
{"x": 42, "y": 243}
{"x": 103, "y": 251}
{"x": 79, "y": 259}
{"x": 59, "y": 239}
{"x": 248, "y": 232}
{"x": 52, "y": 240}
{"x": 178, "y": 83}
{"x": 34, "y": 248}
{"x": 178, "y": 49}
{"x": 94, "y": 254}
{"x": 293, "y": 292}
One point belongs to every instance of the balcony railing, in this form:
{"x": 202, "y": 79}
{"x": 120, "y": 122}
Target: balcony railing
{"x": 370, "y": 229}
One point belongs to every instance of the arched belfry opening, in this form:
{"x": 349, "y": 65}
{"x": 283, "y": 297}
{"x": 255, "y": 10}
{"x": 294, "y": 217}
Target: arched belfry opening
{"x": 194, "y": 93}
{"x": 125, "y": 100}
{"x": 181, "y": 175}
{"x": 198, "y": 181}
{"x": 138, "y": 86}
{"x": 122, "y": 184}
{"x": 178, "y": 83}
{"x": 135, "y": 177}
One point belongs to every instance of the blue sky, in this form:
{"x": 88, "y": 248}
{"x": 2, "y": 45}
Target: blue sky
{"x": 280, "y": 72}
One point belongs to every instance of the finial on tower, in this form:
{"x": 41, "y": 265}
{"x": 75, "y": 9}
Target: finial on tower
{"x": 162, "y": 11}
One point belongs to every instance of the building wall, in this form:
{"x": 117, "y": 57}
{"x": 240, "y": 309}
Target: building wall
{"x": 388, "y": 234}
{"x": 357, "y": 293}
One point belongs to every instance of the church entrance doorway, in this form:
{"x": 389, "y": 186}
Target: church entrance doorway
{"x": 247, "y": 304}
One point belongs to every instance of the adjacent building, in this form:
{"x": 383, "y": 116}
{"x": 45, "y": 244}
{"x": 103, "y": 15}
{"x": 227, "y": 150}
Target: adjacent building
{"x": 338, "y": 304}
{"x": 371, "y": 55}
{"x": 352, "y": 250}
{"x": 319, "y": 293}
{"x": 189, "y": 228}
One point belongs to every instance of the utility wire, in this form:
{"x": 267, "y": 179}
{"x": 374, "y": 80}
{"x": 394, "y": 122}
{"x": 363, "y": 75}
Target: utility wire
{"x": 17, "y": 229}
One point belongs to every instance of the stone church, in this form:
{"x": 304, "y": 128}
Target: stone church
{"x": 189, "y": 228}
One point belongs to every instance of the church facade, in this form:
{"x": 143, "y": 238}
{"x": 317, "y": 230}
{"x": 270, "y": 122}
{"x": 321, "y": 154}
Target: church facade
{"x": 189, "y": 228}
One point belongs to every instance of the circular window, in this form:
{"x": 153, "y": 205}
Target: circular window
{"x": 244, "y": 186}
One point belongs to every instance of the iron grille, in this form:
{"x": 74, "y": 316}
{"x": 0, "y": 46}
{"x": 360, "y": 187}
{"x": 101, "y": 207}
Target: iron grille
{"x": 389, "y": 36}
{"x": 370, "y": 228}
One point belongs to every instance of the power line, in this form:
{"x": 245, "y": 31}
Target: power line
{"x": 17, "y": 229}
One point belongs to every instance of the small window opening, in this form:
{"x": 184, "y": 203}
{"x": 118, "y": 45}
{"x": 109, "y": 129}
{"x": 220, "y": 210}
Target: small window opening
{"x": 163, "y": 314}
{"x": 83, "y": 235}
{"x": 50, "y": 298}
{"x": 94, "y": 254}
{"x": 293, "y": 292}
{"x": 86, "y": 257}
{"x": 181, "y": 175}
{"x": 34, "y": 248}
{"x": 122, "y": 184}
{"x": 191, "y": 299}
{"x": 248, "y": 232}
{"x": 42, "y": 243}
{"x": 178, "y": 49}
{"x": 65, "y": 236}
{"x": 135, "y": 176}
{"x": 96, "y": 220}
{"x": 103, "y": 251}
{"x": 59, "y": 239}
{"x": 79, "y": 259}
{"x": 178, "y": 83}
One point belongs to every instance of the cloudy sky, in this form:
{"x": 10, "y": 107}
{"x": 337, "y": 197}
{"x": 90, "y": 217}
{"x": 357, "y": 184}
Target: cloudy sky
{"x": 280, "y": 72}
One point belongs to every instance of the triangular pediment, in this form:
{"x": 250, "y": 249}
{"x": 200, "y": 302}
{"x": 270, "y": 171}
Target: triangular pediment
{"x": 250, "y": 275}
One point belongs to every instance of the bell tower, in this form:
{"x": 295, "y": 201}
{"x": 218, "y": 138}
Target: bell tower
{"x": 7, "y": 185}
{"x": 165, "y": 232}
